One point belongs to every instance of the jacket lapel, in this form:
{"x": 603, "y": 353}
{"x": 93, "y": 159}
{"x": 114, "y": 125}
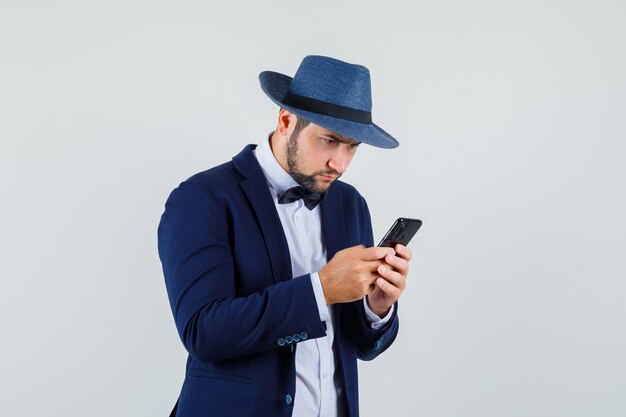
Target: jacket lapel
{"x": 259, "y": 197}
{"x": 333, "y": 225}
{"x": 334, "y": 234}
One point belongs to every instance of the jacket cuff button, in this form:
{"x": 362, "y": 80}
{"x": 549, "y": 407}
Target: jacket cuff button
{"x": 280, "y": 342}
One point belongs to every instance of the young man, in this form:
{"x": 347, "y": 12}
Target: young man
{"x": 271, "y": 273}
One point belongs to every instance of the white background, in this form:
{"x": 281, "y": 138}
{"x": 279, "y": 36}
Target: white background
{"x": 511, "y": 118}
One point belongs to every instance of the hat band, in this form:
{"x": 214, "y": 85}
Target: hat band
{"x": 328, "y": 109}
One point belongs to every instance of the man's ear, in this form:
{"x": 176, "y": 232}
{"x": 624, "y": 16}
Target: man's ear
{"x": 286, "y": 120}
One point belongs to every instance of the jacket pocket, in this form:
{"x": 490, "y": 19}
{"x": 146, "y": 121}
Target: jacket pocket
{"x": 206, "y": 373}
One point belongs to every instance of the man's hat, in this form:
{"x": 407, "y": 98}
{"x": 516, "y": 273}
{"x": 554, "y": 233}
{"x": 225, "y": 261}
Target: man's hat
{"x": 330, "y": 93}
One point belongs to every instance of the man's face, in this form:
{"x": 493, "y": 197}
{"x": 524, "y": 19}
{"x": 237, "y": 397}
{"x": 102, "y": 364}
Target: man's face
{"x": 318, "y": 156}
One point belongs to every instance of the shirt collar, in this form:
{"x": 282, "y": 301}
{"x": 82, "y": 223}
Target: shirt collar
{"x": 276, "y": 176}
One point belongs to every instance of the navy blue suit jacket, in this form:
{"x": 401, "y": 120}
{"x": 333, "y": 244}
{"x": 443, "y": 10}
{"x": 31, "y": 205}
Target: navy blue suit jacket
{"x": 229, "y": 281}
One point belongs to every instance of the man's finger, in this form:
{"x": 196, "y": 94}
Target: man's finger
{"x": 389, "y": 289}
{"x": 376, "y": 252}
{"x": 392, "y": 277}
{"x": 404, "y": 252}
{"x": 397, "y": 263}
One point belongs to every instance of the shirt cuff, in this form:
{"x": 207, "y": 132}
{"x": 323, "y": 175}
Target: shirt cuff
{"x": 375, "y": 321}
{"x": 319, "y": 297}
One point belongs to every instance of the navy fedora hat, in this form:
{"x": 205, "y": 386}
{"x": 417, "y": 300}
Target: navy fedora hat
{"x": 330, "y": 93}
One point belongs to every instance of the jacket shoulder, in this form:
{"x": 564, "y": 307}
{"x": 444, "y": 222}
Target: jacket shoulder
{"x": 347, "y": 193}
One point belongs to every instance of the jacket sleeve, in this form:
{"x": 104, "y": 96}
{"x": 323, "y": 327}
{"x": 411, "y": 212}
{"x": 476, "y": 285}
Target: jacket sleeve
{"x": 195, "y": 248}
{"x": 370, "y": 342}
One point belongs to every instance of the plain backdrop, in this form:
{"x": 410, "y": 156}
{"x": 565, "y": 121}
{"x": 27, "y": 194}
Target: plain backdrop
{"x": 511, "y": 119}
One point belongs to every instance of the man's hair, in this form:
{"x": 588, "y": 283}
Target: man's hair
{"x": 301, "y": 123}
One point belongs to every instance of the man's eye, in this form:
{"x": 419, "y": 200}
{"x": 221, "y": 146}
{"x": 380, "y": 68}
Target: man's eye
{"x": 328, "y": 141}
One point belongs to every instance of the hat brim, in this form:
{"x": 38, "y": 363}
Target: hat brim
{"x": 275, "y": 85}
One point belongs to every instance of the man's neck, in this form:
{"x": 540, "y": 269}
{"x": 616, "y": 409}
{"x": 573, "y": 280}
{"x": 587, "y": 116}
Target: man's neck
{"x": 278, "y": 150}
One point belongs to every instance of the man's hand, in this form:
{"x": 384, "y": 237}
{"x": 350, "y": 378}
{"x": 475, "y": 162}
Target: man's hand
{"x": 352, "y": 273}
{"x": 392, "y": 282}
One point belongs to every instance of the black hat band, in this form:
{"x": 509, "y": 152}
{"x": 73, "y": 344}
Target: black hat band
{"x": 328, "y": 109}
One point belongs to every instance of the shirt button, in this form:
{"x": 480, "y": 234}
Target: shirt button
{"x": 280, "y": 342}
{"x": 288, "y": 399}
{"x": 304, "y": 335}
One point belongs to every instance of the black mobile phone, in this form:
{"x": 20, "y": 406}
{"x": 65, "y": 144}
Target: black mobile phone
{"x": 401, "y": 232}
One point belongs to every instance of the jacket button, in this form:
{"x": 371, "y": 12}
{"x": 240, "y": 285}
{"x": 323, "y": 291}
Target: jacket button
{"x": 304, "y": 335}
{"x": 281, "y": 342}
{"x": 296, "y": 337}
{"x": 288, "y": 399}
{"x": 289, "y": 339}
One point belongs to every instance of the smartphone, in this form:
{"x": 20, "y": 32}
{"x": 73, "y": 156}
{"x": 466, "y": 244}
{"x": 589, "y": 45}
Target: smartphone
{"x": 401, "y": 232}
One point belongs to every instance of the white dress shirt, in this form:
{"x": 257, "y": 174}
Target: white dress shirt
{"x": 319, "y": 389}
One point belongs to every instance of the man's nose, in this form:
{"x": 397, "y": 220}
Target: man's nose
{"x": 340, "y": 160}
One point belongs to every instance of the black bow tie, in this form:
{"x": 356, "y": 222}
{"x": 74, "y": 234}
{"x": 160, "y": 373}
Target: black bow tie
{"x": 311, "y": 199}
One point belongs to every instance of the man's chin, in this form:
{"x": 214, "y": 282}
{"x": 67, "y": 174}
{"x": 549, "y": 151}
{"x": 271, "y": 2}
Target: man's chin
{"x": 315, "y": 183}
{"x": 323, "y": 186}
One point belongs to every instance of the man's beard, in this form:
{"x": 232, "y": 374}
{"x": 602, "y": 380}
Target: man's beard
{"x": 306, "y": 181}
